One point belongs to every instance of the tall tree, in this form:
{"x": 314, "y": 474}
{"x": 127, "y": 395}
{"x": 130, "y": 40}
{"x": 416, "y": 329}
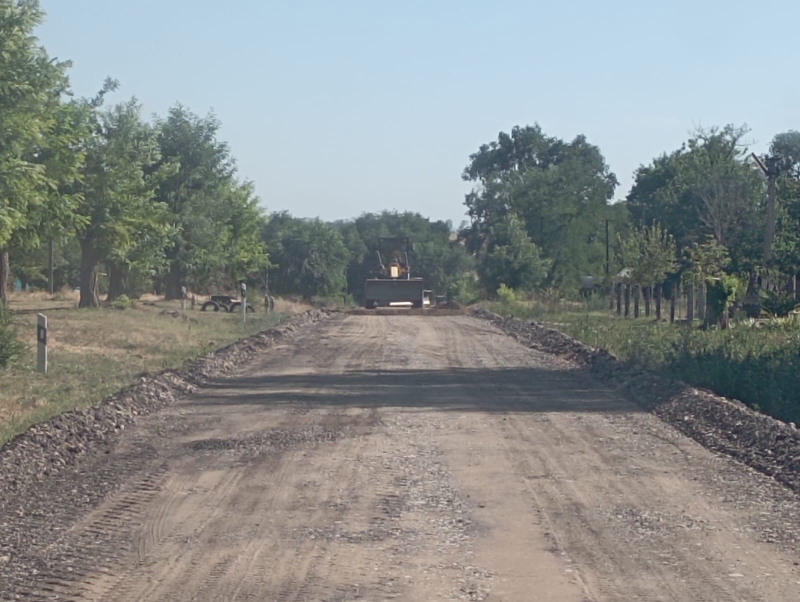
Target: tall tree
{"x": 30, "y": 85}
{"x": 511, "y": 258}
{"x": 117, "y": 190}
{"x": 560, "y": 190}
{"x": 649, "y": 252}
{"x": 705, "y": 188}
{"x": 309, "y": 256}
{"x": 194, "y": 193}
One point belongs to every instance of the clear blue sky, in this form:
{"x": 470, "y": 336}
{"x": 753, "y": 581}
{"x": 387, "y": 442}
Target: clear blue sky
{"x": 338, "y": 107}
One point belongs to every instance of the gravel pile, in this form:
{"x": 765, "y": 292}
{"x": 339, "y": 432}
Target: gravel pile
{"x": 717, "y": 423}
{"x": 53, "y": 446}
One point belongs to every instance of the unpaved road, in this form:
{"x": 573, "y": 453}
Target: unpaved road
{"x": 410, "y": 458}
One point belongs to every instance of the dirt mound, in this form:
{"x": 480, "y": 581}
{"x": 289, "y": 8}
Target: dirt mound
{"x": 717, "y": 423}
{"x": 50, "y": 447}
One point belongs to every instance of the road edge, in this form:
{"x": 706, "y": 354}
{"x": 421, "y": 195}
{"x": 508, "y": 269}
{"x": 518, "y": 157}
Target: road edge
{"x": 719, "y": 424}
{"x": 49, "y": 447}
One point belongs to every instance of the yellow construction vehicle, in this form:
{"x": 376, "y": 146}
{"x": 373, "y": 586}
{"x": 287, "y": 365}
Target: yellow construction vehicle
{"x": 392, "y": 284}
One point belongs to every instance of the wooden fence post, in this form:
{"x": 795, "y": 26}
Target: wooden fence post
{"x": 673, "y": 300}
{"x": 627, "y": 300}
{"x": 658, "y": 301}
{"x": 701, "y": 302}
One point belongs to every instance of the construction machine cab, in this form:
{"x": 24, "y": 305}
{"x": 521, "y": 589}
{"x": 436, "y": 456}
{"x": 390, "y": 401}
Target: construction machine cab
{"x": 393, "y": 258}
{"x": 392, "y": 283}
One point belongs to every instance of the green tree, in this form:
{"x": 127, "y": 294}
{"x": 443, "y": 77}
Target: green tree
{"x": 785, "y": 261}
{"x": 705, "y": 188}
{"x": 707, "y": 259}
{"x": 786, "y": 148}
{"x": 559, "y": 190}
{"x": 309, "y": 256}
{"x": 649, "y": 252}
{"x": 30, "y": 86}
{"x": 197, "y": 192}
{"x": 121, "y": 217}
{"x": 511, "y": 258}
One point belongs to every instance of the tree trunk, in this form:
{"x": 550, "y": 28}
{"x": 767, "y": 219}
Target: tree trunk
{"x": 90, "y": 296}
{"x": 51, "y": 266}
{"x": 769, "y": 234}
{"x": 752, "y": 302}
{"x": 701, "y": 302}
{"x": 627, "y": 300}
{"x": 637, "y": 293}
{"x": 690, "y": 303}
{"x": 5, "y": 273}
{"x": 648, "y": 296}
{"x": 116, "y": 282}
{"x": 174, "y": 284}
{"x": 673, "y": 299}
{"x": 658, "y": 302}
{"x": 618, "y": 293}
{"x": 711, "y": 318}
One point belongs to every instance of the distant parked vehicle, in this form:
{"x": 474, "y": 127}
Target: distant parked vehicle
{"x": 225, "y": 303}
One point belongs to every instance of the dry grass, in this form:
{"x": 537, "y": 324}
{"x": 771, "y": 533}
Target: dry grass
{"x": 94, "y": 353}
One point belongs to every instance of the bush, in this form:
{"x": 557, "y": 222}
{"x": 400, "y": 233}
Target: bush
{"x": 122, "y": 302}
{"x": 778, "y": 303}
{"x": 10, "y": 346}
{"x": 506, "y": 295}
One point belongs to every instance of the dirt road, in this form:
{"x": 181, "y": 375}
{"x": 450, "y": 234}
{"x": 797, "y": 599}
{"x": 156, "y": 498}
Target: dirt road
{"x": 411, "y": 458}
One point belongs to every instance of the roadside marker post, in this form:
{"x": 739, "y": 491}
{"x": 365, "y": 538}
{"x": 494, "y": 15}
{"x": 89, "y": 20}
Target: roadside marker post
{"x": 243, "y": 287}
{"x": 183, "y": 298}
{"x": 41, "y": 344}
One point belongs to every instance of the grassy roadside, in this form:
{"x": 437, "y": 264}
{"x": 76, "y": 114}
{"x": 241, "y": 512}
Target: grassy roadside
{"x": 757, "y": 364}
{"x": 94, "y": 353}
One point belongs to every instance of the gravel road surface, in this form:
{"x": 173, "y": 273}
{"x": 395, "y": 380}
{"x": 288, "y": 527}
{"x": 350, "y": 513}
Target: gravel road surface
{"x": 405, "y": 458}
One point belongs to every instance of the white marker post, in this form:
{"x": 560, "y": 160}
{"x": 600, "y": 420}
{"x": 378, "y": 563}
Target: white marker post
{"x": 183, "y": 298}
{"x": 243, "y": 288}
{"x": 41, "y": 340}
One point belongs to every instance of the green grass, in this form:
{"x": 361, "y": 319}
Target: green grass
{"x": 94, "y": 353}
{"x": 758, "y": 364}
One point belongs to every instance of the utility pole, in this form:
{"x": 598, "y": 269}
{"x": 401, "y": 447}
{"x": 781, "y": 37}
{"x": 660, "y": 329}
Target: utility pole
{"x": 608, "y": 256}
{"x": 770, "y": 168}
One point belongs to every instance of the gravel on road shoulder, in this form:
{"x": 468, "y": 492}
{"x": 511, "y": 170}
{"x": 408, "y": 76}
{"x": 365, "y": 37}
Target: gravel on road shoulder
{"x": 719, "y": 424}
{"x": 50, "y": 447}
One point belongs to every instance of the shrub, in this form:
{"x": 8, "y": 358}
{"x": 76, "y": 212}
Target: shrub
{"x": 506, "y": 295}
{"x": 122, "y": 302}
{"x": 778, "y": 303}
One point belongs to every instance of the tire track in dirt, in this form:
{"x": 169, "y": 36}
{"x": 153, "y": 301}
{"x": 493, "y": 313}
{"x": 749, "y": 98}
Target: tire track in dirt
{"x": 549, "y": 445}
{"x": 418, "y": 458}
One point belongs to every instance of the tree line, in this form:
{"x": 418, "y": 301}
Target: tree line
{"x": 141, "y": 202}
{"x": 709, "y": 213}
{"x": 95, "y": 196}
